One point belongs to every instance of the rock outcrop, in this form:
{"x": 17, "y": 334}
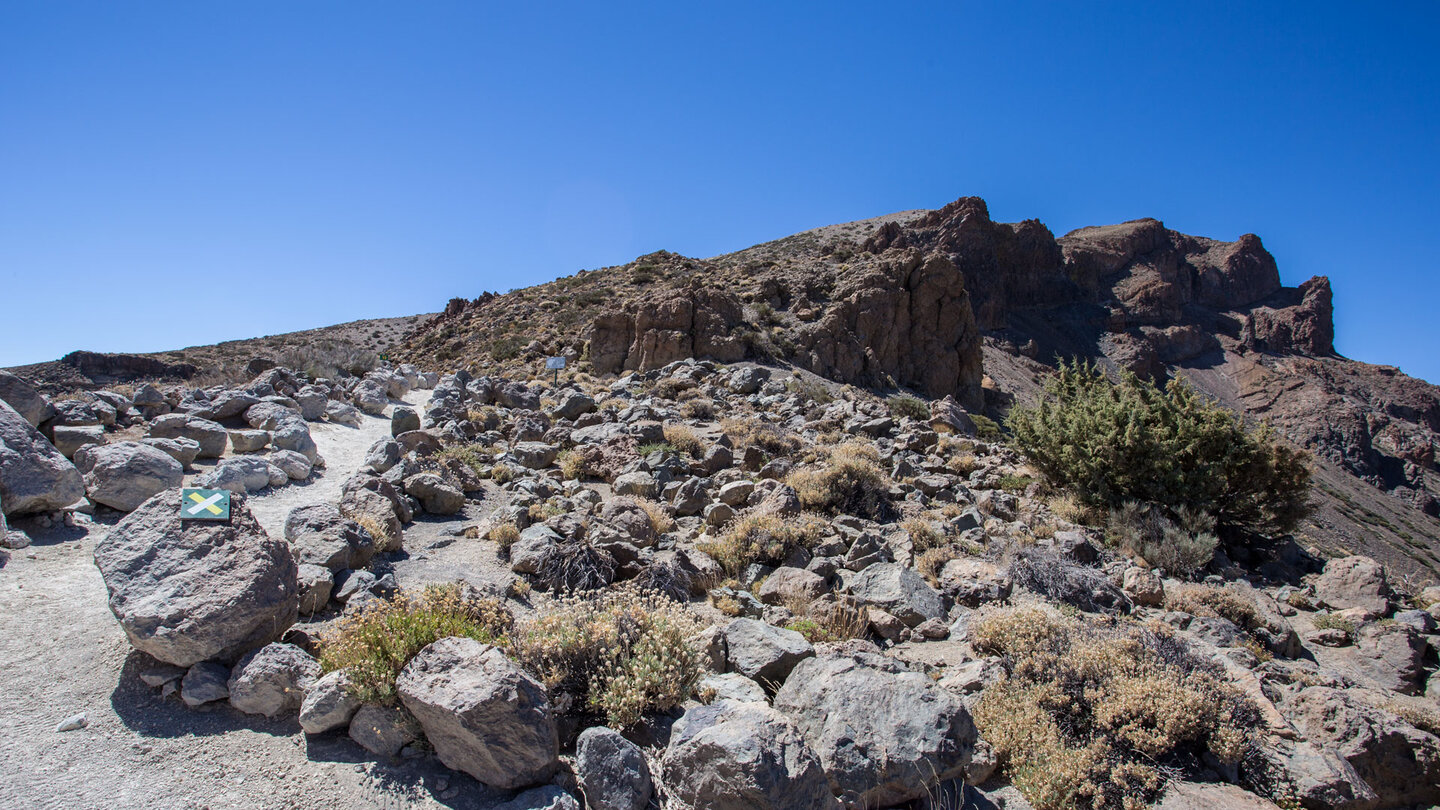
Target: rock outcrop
{"x": 34, "y": 476}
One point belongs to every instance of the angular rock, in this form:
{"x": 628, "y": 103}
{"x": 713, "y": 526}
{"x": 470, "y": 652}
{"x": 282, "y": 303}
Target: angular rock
{"x": 184, "y": 451}
{"x": 403, "y": 420}
{"x": 1354, "y": 582}
{"x": 1397, "y": 761}
{"x": 126, "y": 474}
{"x": 205, "y": 682}
{"x": 320, "y": 535}
{"x": 70, "y": 439}
{"x": 574, "y": 404}
{"x": 242, "y": 474}
{"x": 787, "y": 585}
{"x": 535, "y": 455}
{"x": 1392, "y": 655}
{"x": 383, "y": 730}
{"x": 295, "y": 465}
{"x": 315, "y": 583}
{"x": 611, "y": 770}
{"x": 376, "y": 514}
{"x": 272, "y": 680}
{"x": 24, "y": 399}
{"x": 342, "y": 414}
{"x": 197, "y": 591}
{"x": 249, "y": 441}
{"x": 328, "y": 704}
{"x": 211, "y": 436}
{"x": 481, "y": 712}
{"x": 742, "y": 756}
{"x": 898, "y": 590}
{"x": 434, "y": 494}
{"x": 884, "y": 734}
{"x": 762, "y": 652}
{"x": 34, "y": 477}
{"x": 730, "y": 686}
{"x": 638, "y": 484}
{"x": 383, "y": 455}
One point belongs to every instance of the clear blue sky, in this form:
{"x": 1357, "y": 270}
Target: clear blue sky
{"x": 182, "y": 173}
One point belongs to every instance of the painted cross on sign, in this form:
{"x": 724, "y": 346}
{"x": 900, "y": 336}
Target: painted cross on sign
{"x": 204, "y": 504}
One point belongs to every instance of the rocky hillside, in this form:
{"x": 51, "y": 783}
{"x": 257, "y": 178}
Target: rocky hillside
{"x": 949, "y": 302}
{"x": 353, "y": 347}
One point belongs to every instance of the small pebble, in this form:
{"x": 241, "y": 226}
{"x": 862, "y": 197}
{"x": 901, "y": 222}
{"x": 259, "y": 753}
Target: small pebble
{"x": 73, "y": 723}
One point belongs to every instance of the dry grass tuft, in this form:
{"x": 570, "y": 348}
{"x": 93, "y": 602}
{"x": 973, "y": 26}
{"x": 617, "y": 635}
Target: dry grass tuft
{"x": 685, "y": 439}
{"x": 850, "y": 483}
{"x": 762, "y": 538}
{"x": 617, "y": 653}
{"x": 1094, "y": 714}
{"x": 505, "y": 536}
{"x": 660, "y": 519}
{"x": 748, "y": 431}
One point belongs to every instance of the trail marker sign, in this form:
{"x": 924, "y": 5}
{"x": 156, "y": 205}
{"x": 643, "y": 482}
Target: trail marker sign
{"x": 204, "y": 504}
{"x": 555, "y": 364}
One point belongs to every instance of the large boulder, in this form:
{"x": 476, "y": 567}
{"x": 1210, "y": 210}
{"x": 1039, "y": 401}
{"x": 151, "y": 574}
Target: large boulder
{"x": 742, "y": 756}
{"x": 212, "y": 436}
{"x": 24, "y": 399}
{"x": 898, "y": 590}
{"x": 68, "y": 440}
{"x": 1399, "y": 763}
{"x": 611, "y": 770}
{"x": 272, "y": 679}
{"x": 34, "y": 477}
{"x": 294, "y": 434}
{"x": 481, "y": 712}
{"x": 370, "y": 397}
{"x": 884, "y": 734}
{"x": 1354, "y": 582}
{"x": 763, "y": 652}
{"x": 1392, "y": 655}
{"x": 376, "y": 514}
{"x": 320, "y": 535}
{"x": 126, "y": 474}
{"x": 436, "y": 495}
{"x": 184, "y": 451}
{"x": 535, "y": 455}
{"x": 193, "y": 591}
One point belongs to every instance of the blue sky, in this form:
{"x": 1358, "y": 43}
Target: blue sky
{"x": 183, "y": 173}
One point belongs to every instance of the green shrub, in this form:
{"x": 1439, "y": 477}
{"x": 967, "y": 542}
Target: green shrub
{"x": 905, "y": 405}
{"x": 1112, "y": 443}
{"x": 986, "y": 428}
{"x": 374, "y": 645}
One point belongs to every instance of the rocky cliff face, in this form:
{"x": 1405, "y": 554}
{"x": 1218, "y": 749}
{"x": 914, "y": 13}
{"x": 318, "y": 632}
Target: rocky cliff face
{"x": 937, "y": 301}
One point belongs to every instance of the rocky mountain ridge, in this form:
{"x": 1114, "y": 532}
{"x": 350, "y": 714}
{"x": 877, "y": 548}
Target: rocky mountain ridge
{"x": 950, "y": 302}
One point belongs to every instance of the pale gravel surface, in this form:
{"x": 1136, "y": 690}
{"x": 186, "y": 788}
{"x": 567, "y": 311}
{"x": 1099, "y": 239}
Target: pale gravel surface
{"x": 62, "y": 653}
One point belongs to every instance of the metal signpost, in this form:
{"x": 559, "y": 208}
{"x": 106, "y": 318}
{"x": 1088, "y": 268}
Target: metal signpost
{"x": 204, "y": 504}
{"x": 555, "y": 364}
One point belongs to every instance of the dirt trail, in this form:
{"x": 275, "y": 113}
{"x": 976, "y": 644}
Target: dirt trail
{"x": 63, "y": 654}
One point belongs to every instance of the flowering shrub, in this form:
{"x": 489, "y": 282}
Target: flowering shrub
{"x": 618, "y": 653}
{"x": 374, "y": 645}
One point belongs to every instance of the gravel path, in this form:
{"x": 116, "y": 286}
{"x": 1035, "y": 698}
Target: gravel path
{"x": 63, "y": 654}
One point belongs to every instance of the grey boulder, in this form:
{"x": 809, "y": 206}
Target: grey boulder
{"x": 328, "y": 704}
{"x": 272, "y": 679}
{"x": 182, "y": 450}
{"x": 191, "y": 591}
{"x": 612, "y": 771}
{"x": 434, "y": 494}
{"x": 898, "y": 590}
{"x": 742, "y": 756}
{"x": 34, "y": 477}
{"x": 481, "y": 712}
{"x": 763, "y": 652}
{"x": 884, "y": 734}
{"x": 243, "y": 474}
{"x": 25, "y": 399}
{"x": 319, "y": 535}
{"x": 126, "y": 474}
{"x": 211, "y": 436}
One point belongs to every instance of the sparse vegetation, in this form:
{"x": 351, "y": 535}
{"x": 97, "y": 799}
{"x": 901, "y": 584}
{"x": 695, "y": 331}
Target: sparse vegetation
{"x": 376, "y": 644}
{"x": 1094, "y": 715}
{"x": 904, "y": 405}
{"x": 1182, "y": 546}
{"x": 685, "y": 440}
{"x": 1113, "y": 442}
{"x": 773, "y": 439}
{"x": 762, "y": 538}
{"x": 619, "y": 653}
{"x": 850, "y": 482}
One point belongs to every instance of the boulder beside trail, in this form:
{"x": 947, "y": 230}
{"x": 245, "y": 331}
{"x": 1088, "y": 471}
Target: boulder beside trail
{"x": 34, "y": 476}
{"x": 25, "y": 399}
{"x": 272, "y": 680}
{"x": 320, "y": 535}
{"x": 611, "y": 770}
{"x": 212, "y": 436}
{"x": 192, "y": 591}
{"x": 482, "y": 713}
{"x": 126, "y": 474}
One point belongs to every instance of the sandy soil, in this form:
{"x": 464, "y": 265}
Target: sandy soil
{"x": 63, "y": 654}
